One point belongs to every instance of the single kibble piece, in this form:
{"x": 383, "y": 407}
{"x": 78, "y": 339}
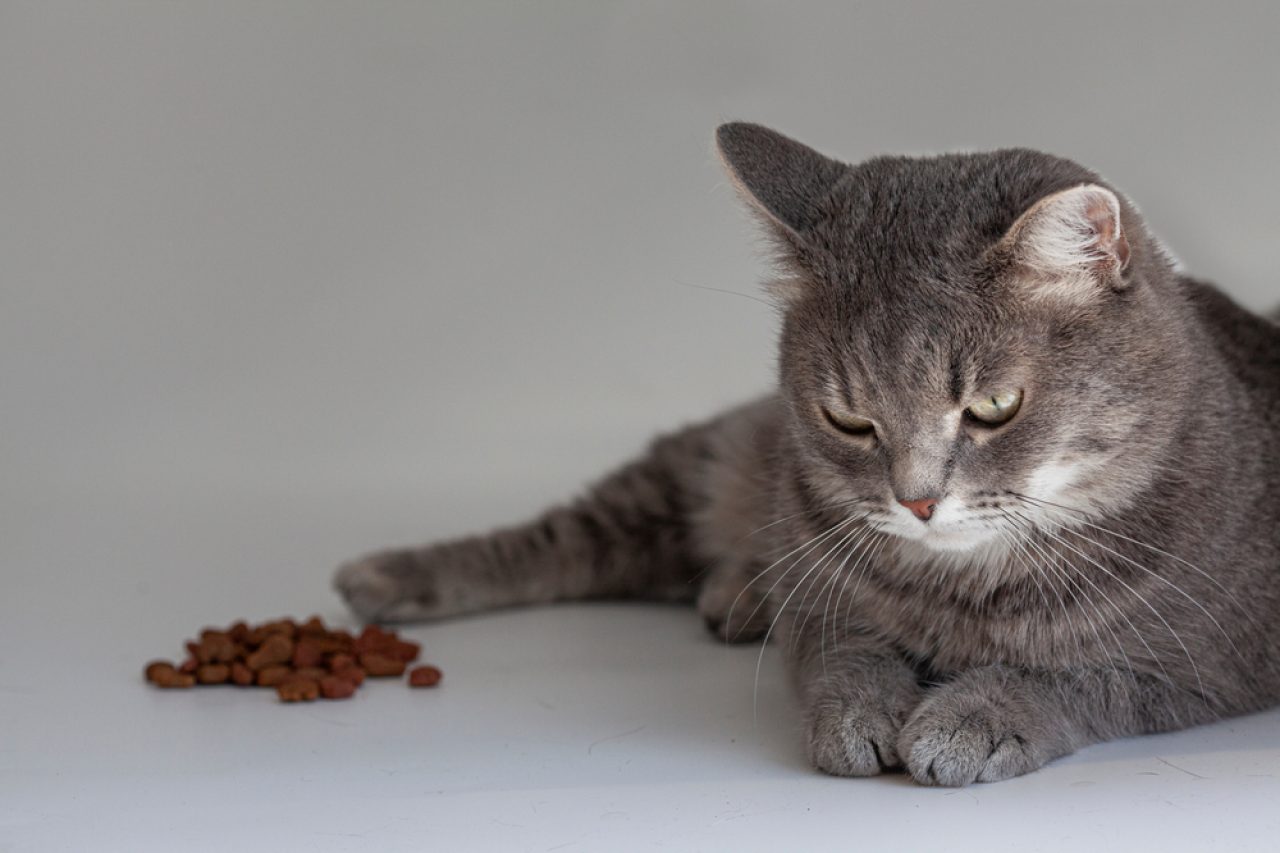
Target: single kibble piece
{"x": 272, "y": 675}
{"x": 307, "y": 653}
{"x": 298, "y": 690}
{"x": 336, "y": 642}
{"x": 241, "y": 674}
{"x": 313, "y": 672}
{"x": 403, "y": 650}
{"x": 352, "y": 673}
{"x": 336, "y": 687}
{"x": 372, "y": 639}
{"x": 213, "y": 673}
{"x": 173, "y": 678}
{"x": 216, "y": 647}
{"x": 340, "y": 662}
{"x": 378, "y": 665}
{"x": 424, "y": 676}
{"x": 160, "y": 670}
{"x": 314, "y": 625}
{"x": 275, "y": 649}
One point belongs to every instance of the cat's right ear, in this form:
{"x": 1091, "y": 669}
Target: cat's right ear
{"x": 783, "y": 180}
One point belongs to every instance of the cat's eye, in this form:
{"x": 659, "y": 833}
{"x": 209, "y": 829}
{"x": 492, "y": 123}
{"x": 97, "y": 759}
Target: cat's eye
{"x": 849, "y": 424}
{"x": 996, "y": 409}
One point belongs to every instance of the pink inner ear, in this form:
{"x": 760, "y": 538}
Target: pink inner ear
{"x": 1111, "y": 242}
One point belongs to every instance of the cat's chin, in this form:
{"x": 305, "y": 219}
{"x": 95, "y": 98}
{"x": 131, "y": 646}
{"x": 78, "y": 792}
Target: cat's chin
{"x": 951, "y": 542}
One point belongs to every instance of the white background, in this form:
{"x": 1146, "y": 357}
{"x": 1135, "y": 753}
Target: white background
{"x": 283, "y": 282}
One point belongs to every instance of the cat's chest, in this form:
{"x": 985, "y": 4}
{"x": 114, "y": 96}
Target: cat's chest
{"x": 951, "y": 631}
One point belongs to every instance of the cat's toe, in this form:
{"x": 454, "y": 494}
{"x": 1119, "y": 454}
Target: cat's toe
{"x": 953, "y": 744}
{"x": 847, "y": 739}
{"x": 384, "y": 587}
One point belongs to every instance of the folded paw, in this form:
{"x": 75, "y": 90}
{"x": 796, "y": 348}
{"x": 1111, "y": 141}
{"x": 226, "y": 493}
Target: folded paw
{"x": 854, "y": 724}
{"x": 955, "y": 738}
{"x": 850, "y": 740}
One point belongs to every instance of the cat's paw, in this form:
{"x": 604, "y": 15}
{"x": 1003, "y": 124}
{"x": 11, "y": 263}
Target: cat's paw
{"x": 851, "y": 739}
{"x": 854, "y": 732}
{"x": 956, "y": 737}
{"x": 732, "y": 609}
{"x": 388, "y": 586}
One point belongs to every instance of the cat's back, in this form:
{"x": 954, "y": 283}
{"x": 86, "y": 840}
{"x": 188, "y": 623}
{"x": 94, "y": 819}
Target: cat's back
{"x": 1248, "y": 345}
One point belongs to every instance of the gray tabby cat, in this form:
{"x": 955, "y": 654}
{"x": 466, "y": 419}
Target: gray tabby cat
{"x": 1018, "y": 492}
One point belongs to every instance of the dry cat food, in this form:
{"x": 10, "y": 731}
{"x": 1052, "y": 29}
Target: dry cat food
{"x": 302, "y": 661}
{"x": 424, "y": 676}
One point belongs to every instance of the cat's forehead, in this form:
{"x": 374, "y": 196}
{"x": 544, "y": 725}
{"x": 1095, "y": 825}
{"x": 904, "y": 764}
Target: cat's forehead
{"x": 927, "y": 348}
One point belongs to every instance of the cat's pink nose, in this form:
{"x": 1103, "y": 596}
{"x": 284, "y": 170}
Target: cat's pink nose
{"x": 922, "y": 509}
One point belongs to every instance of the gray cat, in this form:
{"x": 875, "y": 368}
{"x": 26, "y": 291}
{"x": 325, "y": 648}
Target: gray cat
{"x": 1018, "y": 491}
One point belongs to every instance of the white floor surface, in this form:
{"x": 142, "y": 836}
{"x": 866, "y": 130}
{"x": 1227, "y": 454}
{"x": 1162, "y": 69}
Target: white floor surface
{"x": 583, "y": 727}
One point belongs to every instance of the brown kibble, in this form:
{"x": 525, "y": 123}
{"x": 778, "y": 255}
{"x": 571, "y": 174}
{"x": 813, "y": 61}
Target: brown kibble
{"x": 272, "y": 675}
{"x": 340, "y": 662}
{"x": 213, "y": 673}
{"x": 334, "y": 643}
{"x": 215, "y": 647}
{"x": 241, "y": 674}
{"x": 314, "y": 625}
{"x": 301, "y": 660}
{"x": 162, "y": 674}
{"x": 424, "y": 676}
{"x": 337, "y": 687}
{"x": 159, "y": 670}
{"x": 378, "y": 665}
{"x": 296, "y": 689}
{"x": 280, "y": 627}
{"x": 274, "y": 649}
{"x": 181, "y": 679}
{"x": 403, "y": 650}
{"x": 307, "y": 653}
{"x": 372, "y": 639}
{"x": 352, "y": 673}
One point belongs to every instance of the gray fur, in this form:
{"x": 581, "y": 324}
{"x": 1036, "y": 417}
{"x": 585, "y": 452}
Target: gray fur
{"x": 1131, "y": 586}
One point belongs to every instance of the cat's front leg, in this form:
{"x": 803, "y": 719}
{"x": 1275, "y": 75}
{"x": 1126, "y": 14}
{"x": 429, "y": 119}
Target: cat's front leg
{"x": 996, "y": 722}
{"x": 857, "y": 693}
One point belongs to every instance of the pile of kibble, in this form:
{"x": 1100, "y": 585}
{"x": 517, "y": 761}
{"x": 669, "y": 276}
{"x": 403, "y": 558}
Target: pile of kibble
{"x": 302, "y": 661}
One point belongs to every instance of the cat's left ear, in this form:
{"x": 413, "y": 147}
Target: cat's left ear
{"x": 782, "y": 179}
{"x": 1070, "y": 245}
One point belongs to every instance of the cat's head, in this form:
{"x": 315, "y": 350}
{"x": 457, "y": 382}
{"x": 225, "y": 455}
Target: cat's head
{"x": 973, "y": 343}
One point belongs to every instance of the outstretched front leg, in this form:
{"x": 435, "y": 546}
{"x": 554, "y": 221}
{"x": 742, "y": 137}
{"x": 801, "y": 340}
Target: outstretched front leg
{"x": 656, "y": 529}
{"x": 629, "y": 537}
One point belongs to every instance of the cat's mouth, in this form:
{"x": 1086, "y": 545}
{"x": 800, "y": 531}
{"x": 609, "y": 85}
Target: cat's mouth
{"x": 962, "y": 538}
{"x": 941, "y": 533}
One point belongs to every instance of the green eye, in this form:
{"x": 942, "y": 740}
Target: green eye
{"x": 849, "y": 424}
{"x": 996, "y": 409}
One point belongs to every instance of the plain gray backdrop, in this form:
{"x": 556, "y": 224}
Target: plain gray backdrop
{"x": 281, "y": 282}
